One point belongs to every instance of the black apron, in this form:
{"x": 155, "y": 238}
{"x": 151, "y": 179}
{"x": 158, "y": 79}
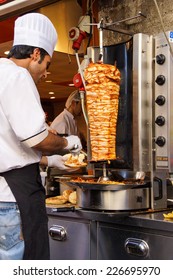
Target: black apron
{"x": 25, "y": 184}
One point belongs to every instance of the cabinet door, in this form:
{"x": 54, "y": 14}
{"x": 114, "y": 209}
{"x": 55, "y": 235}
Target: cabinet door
{"x": 116, "y": 243}
{"x": 69, "y": 239}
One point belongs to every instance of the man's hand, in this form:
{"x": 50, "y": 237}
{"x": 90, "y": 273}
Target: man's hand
{"x": 57, "y": 161}
{"x": 74, "y": 144}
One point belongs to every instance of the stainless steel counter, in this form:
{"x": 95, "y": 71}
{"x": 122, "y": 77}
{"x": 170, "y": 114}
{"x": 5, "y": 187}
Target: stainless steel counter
{"x": 110, "y": 235}
{"x": 144, "y": 218}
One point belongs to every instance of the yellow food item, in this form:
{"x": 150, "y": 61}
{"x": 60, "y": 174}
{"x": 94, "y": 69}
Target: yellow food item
{"x": 60, "y": 199}
{"x": 67, "y": 196}
{"x": 95, "y": 181}
{"x": 66, "y": 193}
{"x": 169, "y": 215}
{"x": 75, "y": 160}
{"x": 73, "y": 198}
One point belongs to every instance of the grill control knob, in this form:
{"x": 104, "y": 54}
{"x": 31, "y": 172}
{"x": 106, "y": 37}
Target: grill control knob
{"x": 160, "y": 100}
{"x": 160, "y": 141}
{"x": 160, "y": 80}
{"x": 160, "y": 120}
{"x": 160, "y": 59}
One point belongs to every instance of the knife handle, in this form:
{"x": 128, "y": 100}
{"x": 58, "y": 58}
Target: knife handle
{"x": 63, "y": 209}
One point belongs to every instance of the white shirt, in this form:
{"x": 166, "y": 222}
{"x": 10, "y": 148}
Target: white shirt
{"x": 65, "y": 123}
{"x": 22, "y": 121}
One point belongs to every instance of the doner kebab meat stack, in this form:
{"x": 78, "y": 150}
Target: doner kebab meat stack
{"x": 102, "y": 97}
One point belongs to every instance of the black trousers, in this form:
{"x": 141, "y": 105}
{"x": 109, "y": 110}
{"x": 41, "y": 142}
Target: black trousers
{"x": 25, "y": 184}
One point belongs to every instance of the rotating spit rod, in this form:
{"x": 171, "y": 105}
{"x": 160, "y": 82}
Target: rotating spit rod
{"x": 105, "y": 177}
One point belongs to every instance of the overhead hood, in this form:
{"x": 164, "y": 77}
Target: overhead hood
{"x": 10, "y": 8}
{"x": 64, "y": 15}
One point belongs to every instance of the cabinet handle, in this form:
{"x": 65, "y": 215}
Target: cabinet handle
{"x": 57, "y": 232}
{"x": 137, "y": 247}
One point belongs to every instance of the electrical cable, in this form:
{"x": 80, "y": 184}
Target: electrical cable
{"x": 83, "y": 81}
{"x": 69, "y": 58}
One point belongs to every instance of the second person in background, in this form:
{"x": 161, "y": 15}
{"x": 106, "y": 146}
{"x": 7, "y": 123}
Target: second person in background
{"x": 65, "y": 123}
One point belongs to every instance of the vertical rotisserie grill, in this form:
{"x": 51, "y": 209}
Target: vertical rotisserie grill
{"x": 126, "y": 136}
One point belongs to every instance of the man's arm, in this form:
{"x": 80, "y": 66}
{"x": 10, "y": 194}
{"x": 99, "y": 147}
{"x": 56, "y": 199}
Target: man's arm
{"x": 53, "y": 144}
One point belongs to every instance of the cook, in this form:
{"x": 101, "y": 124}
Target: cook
{"x": 24, "y": 137}
{"x": 65, "y": 122}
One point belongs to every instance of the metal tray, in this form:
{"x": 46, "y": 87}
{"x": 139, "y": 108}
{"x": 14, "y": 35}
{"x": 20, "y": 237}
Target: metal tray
{"x": 109, "y": 187}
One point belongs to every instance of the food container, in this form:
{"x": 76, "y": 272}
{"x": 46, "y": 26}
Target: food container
{"x": 128, "y": 195}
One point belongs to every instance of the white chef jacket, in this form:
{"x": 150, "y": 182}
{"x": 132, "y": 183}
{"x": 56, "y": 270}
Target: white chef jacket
{"x": 65, "y": 123}
{"x": 22, "y": 121}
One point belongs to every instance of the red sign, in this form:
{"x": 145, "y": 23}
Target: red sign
{"x": 2, "y": 2}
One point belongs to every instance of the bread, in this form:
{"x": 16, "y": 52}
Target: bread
{"x": 66, "y": 193}
{"x": 67, "y": 196}
{"x": 75, "y": 160}
{"x": 73, "y": 198}
{"x": 58, "y": 200}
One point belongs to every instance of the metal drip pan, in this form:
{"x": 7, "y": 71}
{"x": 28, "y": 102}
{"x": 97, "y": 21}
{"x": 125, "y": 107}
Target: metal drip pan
{"x": 120, "y": 200}
{"x": 128, "y": 195}
{"x": 109, "y": 187}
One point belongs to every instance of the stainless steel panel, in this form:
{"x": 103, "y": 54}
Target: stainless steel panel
{"x": 142, "y": 101}
{"x": 164, "y": 89}
{"x": 113, "y": 235}
{"x": 69, "y": 239}
{"x": 150, "y": 245}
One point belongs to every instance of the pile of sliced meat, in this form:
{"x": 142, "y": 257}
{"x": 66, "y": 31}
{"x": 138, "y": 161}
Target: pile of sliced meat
{"x": 102, "y": 96}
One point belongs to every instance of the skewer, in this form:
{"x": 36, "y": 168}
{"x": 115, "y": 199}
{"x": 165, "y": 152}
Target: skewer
{"x": 100, "y": 27}
{"x": 105, "y": 176}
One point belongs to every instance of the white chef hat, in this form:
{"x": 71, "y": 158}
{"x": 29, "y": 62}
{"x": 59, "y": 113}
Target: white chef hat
{"x": 35, "y": 30}
{"x": 75, "y": 95}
